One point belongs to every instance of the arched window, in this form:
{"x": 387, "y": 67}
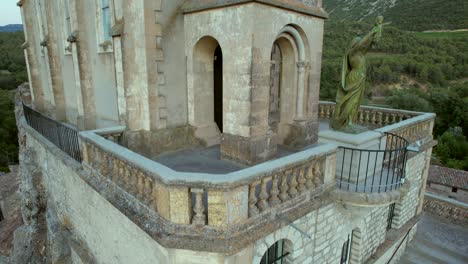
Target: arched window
{"x": 288, "y": 85}
{"x": 276, "y": 254}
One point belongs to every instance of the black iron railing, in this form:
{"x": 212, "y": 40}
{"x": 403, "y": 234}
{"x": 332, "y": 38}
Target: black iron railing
{"x": 370, "y": 171}
{"x": 62, "y": 135}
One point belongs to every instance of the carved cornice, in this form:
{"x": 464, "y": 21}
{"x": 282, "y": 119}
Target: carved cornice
{"x": 197, "y": 6}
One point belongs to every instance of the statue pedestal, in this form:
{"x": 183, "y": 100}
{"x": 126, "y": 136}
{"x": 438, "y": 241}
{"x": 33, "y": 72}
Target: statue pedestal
{"x": 353, "y": 165}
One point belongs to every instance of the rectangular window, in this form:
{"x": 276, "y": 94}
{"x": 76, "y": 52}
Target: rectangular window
{"x": 106, "y": 20}
{"x": 391, "y": 214}
{"x": 454, "y": 189}
{"x": 345, "y": 251}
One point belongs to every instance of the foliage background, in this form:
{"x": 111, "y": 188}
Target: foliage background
{"x": 417, "y": 71}
{"x": 12, "y": 73}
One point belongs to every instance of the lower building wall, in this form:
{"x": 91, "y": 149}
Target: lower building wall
{"x": 406, "y": 208}
{"x": 108, "y": 236}
{"x": 101, "y": 230}
{"x": 329, "y": 228}
{"x": 396, "y": 251}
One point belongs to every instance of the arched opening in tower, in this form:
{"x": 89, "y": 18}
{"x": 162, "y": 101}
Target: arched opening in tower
{"x": 218, "y": 87}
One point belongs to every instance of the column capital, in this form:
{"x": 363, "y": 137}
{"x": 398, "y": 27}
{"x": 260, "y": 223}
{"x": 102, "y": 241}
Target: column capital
{"x": 302, "y": 64}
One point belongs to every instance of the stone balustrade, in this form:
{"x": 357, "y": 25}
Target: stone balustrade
{"x": 416, "y": 129}
{"x": 372, "y": 117}
{"x": 413, "y": 126}
{"x": 215, "y": 200}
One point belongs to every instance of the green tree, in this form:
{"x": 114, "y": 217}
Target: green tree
{"x": 452, "y": 149}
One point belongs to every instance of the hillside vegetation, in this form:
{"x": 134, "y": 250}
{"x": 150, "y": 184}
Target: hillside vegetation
{"x": 11, "y": 28}
{"x": 411, "y": 15}
{"x": 414, "y": 71}
{"x": 12, "y": 73}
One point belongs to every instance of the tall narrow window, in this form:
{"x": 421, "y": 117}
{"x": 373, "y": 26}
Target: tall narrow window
{"x": 67, "y": 18}
{"x": 1, "y": 215}
{"x": 346, "y": 250}
{"x": 106, "y": 20}
{"x": 391, "y": 213}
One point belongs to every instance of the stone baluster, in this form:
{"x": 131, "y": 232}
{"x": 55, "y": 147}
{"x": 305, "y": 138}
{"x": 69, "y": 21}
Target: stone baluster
{"x": 115, "y": 169}
{"x": 140, "y": 185}
{"x": 379, "y": 119}
{"x": 284, "y": 196}
{"x": 309, "y": 183}
{"x": 301, "y": 188}
{"x": 199, "y": 218}
{"x": 92, "y": 156}
{"x": 361, "y": 117}
{"x": 274, "y": 200}
{"x": 121, "y": 174}
{"x": 263, "y": 196}
{"x": 104, "y": 166}
{"x": 321, "y": 112}
{"x": 131, "y": 180}
{"x": 368, "y": 118}
{"x": 386, "y": 120}
{"x": 148, "y": 188}
{"x": 97, "y": 159}
{"x": 154, "y": 196}
{"x": 394, "y": 118}
{"x": 253, "y": 209}
{"x": 317, "y": 174}
{"x": 292, "y": 184}
{"x": 374, "y": 119}
{"x": 328, "y": 111}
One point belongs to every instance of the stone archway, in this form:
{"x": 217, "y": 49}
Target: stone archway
{"x": 206, "y": 93}
{"x": 287, "y": 81}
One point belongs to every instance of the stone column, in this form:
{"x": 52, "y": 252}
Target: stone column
{"x": 301, "y": 66}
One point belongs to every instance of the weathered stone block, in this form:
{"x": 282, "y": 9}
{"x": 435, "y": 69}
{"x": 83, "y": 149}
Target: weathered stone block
{"x": 248, "y": 150}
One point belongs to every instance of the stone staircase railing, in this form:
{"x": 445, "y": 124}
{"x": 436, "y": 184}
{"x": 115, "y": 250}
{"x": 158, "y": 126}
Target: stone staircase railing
{"x": 214, "y": 200}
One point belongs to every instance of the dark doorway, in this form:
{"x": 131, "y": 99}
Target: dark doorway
{"x": 218, "y": 87}
{"x": 1, "y": 215}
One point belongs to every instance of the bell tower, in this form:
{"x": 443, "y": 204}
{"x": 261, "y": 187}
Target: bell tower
{"x": 269, "y": 75}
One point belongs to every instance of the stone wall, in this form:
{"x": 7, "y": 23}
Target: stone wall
{"x": 328, "y": 228}
{"x": 454, "y": 211}
{"x": 406, "y": 208}
{"x": 376, "y": 223}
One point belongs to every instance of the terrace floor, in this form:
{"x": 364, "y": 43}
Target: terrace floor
{"x": 208, "y": 160}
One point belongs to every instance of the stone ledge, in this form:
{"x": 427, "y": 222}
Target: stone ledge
{"x": 368, "y": 199}
{"x": 198, "y": 6}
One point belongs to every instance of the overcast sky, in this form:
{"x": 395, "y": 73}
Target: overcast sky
{"x": 9, "y": 12}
